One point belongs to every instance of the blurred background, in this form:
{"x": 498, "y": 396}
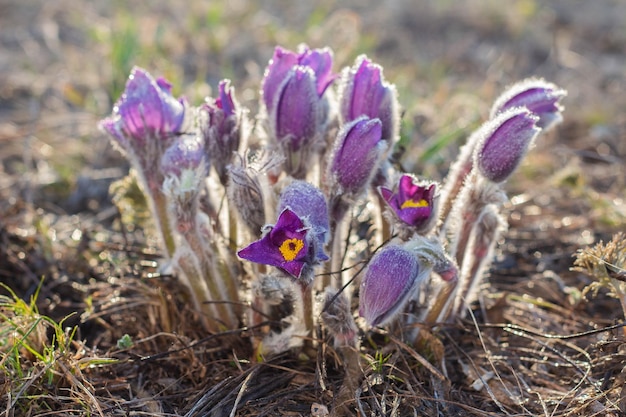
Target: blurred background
{"x": 64, "y": 63}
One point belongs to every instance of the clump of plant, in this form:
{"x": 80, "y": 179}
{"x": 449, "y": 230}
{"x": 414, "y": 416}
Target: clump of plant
{"x": 303, "y": 212}
{"x": 606, "y": 263}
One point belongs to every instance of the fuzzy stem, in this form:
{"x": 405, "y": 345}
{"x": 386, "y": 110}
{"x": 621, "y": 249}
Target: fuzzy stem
{"x": 193, "y": 280}
{"x": 352, "y": 367}
{"x": 159, "y": 205}
{"x": 307, "y": 307}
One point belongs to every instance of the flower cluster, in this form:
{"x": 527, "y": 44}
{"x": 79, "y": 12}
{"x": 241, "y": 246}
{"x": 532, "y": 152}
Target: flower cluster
{"x": 313, "y": 169}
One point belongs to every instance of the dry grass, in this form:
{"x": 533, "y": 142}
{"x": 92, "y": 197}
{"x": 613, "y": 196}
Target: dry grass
{"x": 90, "y": 328}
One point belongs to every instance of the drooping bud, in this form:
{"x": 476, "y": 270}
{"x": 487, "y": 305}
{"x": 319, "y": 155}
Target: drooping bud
{"x": 414, "y": 203}
{"x": 364, "y": 92}
{"x": 390, "y": 280}
{"x": 539, "y": 96}
{"x": 221, "y": 123}
{"x": 505, "y": 140}
{"x": 146, "y": 111}
{"x": 356, "y": 155}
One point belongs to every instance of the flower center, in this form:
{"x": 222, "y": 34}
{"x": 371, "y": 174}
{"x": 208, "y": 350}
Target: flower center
{"x": 413, "y": 204}
{"x": 290, "y": 248}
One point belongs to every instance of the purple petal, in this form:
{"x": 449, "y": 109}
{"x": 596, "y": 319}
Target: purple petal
{"x": 280, "y": 64}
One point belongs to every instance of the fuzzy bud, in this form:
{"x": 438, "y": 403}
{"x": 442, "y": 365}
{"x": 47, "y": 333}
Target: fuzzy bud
{"x": 364, "y": 92}
{"x": 338, "y": 319}
{"x": 504, "y": 143}
{"x": 540, "y": 97}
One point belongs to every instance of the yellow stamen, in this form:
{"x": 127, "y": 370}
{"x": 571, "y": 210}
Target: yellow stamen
{"x": 290, "y": 248}
{"x": 412, "y": 204}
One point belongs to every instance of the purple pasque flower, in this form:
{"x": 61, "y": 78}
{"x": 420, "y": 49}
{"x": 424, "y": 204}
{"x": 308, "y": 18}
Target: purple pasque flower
{"x": 309, "y": 203}
{"x": 414, "y": 203}
{"x": 283, "y": 61}
{"x": 356, "y": 155}
{"x": 286, "y": 245}
{"x": 389, "y": 282}
{"x": 297, "y": 111}
{"x": 505, "y": 140}
{"x": 221, "y": 125}
{"x": 145, "y": 111}
{"x": 364, "y": 92}
{"x": 539, "y": 96}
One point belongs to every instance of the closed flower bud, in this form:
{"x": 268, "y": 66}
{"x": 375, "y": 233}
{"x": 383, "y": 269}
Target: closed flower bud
{"x": 505, "y": 140}
{"x": 221, "y": 122}
{"x": 146, "y": 111}
{"x": 356, "y": 156}
{"x": 390, "y": 280}
{"x": 319, "y": 60}
{"x": 297, "y": 111}
{"x": 414, "y": 203}
{"x": 540, "y": 97}
{"x": 364, "y": 92}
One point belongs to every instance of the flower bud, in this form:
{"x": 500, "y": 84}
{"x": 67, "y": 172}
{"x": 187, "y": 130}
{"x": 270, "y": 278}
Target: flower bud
{"x": 505, "y": 140}
{"x": 414, "y": 204}
{"x": 356, "y": 155}
{"x": 309, "y": 203}
{"x": 540, "y": 97}
{"x": 145, "y": 110}
{"x": 390, "y": 280}
{"x": 319, "y": 60}
{"x": 220, "y": 122}
{"x": 364, "y": 92}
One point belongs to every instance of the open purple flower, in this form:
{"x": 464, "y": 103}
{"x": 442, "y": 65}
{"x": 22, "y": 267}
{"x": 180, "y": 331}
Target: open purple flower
{"x": 309, "y": 203}
{"x": 413, "y": 203}
{"x": 220, "y": 123}
{"x": 286, "y": 245}
{"x": 505, "y": 140}
{"x": 364, "y": 92}
{"x": 145, "y": 111}
{"x": 390, "y": 280}
{"x": 356, "y": 155}
{"x": 540, "y": 97}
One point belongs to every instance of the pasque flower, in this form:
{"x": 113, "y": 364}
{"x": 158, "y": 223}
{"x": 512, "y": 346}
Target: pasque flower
{"x": 145, "y": 111}
{"x": 390, "y": 280}
{"x": 285, "y": 245}
{"x": 505, "y": 140}
{"x": 293, "y": 94}
{"x": 221, "y": 125}
{"x": 540, "y": 97}
{"x": 364, "y": 92}
{"x": 413, "y": 203}
{"x": 320, "y": 61}
{"x": 356, "y": 155}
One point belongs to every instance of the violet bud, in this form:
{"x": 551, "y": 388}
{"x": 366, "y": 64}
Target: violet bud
{"x": 146, "y": 110}
{"x": 391, "y": 279}
{"x": 356, "y": 156}
{"x": 185, "y": 154}
{"x": 414, "y": 203}
{"x": 298, "y": 109}
{"x": 505, "y": 140}
{"x": 309, "y": 203}
{"x": 540, "y": 97}
{"x": 288, "y": 245}
{"x": 364, "y": 92}
{"x": 221, "y": 122}
{"x": 319, "y": 60}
